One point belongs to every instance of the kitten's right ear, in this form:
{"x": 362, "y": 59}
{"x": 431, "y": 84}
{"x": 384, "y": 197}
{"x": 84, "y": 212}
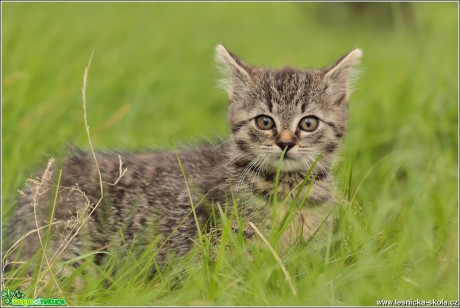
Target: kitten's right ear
{"x": 340, "y": 75}
{"x": 236, "y": 72}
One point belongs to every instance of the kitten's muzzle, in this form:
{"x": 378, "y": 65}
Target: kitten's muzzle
{"x": 286, "y": 140}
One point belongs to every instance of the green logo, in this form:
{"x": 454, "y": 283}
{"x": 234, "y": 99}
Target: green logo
{"x": 17, "y": 298}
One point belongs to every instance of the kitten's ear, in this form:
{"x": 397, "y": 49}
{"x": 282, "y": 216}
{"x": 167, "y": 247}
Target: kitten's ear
{"x": 236, "y": 72}
{"x": 339, "y": 76}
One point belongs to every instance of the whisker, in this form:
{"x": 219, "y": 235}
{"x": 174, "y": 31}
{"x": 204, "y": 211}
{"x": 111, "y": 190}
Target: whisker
{"x": 246, "y": 171}
{"x": 259, "y": 169}
{"x": 232, "y": 160}
{"x": 319, "y": 165}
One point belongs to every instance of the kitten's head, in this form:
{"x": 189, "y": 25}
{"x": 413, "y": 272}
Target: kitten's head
{"x": 304, "y": 111}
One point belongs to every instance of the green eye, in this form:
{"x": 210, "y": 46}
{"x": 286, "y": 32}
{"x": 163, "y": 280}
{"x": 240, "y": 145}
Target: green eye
{"x": 309, "y": 123}
{"x": 264, "y": 122}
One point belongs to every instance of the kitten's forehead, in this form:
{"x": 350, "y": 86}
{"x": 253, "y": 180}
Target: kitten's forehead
{"x": 288, "y": 88}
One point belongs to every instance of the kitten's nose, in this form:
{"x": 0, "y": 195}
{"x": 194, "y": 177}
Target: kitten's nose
{"x": 283, "y": 145}
{"x": 286, "y": 140}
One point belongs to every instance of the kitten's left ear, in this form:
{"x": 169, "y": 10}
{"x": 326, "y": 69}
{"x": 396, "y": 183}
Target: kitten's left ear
{"x": 340, "y": 75}
{"x": 236, "y": 72}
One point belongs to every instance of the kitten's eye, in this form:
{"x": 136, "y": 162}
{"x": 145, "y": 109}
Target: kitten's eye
{"x": 309, "y": 123}
{"x": 264, "y": 122}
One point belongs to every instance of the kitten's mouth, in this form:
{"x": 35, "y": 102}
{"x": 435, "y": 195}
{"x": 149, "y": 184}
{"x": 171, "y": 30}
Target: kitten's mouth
{"x": 287, "y": 156}
{"x": 289, "y": 163}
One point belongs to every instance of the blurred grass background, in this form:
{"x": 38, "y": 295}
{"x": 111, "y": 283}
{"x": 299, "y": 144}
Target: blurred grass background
{"x": 152, "y": 82}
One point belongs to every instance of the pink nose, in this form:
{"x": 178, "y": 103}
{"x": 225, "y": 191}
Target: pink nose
{"x": 285, "y": 140}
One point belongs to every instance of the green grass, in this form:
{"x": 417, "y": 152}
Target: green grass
{"x": 152, "y": 83}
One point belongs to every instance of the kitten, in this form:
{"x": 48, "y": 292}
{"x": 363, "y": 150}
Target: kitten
{"x": 147, "y": 199}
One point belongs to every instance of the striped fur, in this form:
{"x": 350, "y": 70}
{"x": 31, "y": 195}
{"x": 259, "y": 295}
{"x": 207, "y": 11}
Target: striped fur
{"x": 150, "y": 203}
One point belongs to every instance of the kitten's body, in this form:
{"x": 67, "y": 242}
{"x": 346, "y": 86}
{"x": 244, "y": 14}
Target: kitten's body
{"x": 151, "y": 202}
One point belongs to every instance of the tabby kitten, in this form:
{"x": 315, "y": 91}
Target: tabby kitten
{"x": 146, "y": 198}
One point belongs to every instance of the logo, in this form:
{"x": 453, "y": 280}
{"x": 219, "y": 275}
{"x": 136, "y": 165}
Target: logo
{"x": 17, "y": 298}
